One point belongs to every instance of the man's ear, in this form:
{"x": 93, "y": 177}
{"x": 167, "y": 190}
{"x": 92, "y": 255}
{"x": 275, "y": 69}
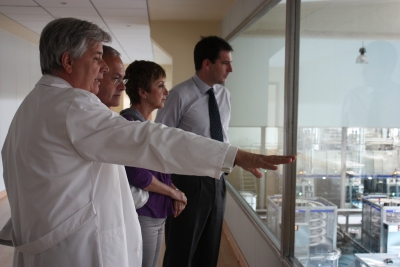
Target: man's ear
{"x": 66, "y": 61}
{"x": 206, "y": 64}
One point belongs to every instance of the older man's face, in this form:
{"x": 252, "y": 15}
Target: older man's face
{"x": 111, "y": 87}
{"x": 88, "y": 70}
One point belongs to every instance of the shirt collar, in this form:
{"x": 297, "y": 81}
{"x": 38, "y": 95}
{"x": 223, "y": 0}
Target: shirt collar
{"x": 203, "y": 87}
{"x": 54, "y": 81}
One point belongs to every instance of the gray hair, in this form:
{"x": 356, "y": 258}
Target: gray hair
{"x": 67, "y": 35}
{"x": 108, "y": 50}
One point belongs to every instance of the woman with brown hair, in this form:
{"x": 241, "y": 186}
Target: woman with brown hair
{"x": 147, "y": 92}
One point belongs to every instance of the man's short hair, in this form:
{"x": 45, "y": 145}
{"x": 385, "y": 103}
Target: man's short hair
{"x": 67, "y": 35}
{"x": 108, "y": 50}
{"x": 209, "y": 48}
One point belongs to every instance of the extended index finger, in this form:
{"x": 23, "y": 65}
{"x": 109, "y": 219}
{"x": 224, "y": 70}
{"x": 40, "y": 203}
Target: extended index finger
{"x": 281, "y": 159}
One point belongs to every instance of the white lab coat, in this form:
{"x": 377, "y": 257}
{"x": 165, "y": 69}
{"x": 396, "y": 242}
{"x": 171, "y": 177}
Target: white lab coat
{"x": 70, "y": 202}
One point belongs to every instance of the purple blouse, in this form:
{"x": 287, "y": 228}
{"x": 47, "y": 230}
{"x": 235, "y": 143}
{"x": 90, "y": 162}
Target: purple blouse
{"x": 157, "y": 206}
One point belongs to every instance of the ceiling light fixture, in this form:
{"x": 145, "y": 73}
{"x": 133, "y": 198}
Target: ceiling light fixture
{"x": 362, "y": 59}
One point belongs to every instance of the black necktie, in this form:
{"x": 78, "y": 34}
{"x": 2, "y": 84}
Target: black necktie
{"x": 215, "y": 119}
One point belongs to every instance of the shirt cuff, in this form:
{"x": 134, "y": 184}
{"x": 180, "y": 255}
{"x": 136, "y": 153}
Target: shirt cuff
{"x": 229, "y": 160}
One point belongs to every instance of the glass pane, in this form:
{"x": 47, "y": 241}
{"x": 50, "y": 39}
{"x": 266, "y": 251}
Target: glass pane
{"x": 348, "y": 136}
{"x": 256, "y": 85}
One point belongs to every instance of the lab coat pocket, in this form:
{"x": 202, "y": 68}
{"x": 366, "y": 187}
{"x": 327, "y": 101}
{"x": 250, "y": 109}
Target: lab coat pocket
{"x": 113, "y": 247}
{"x": 60, "y": 232}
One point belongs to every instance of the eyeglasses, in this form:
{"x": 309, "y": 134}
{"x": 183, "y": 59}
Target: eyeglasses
{"x": 119, "y": 80}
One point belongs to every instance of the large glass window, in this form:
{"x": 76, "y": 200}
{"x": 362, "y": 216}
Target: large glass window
{"x": 257, "y": 87}
{"x": 347, "y": 183}
{"x": 348, "y": 143}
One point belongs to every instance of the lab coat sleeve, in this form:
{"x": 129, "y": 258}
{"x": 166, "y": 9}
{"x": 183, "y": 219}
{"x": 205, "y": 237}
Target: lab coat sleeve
{"x": 101, "y": 135}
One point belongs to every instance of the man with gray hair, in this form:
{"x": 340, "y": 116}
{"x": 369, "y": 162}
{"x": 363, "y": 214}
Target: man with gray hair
{"x": 113, "y": 83}
{"x": 70, "y": 205}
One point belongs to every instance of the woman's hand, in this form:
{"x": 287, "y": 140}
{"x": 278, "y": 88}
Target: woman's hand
{"x": 179, "y": 196}
{"x": 178, "y": 207}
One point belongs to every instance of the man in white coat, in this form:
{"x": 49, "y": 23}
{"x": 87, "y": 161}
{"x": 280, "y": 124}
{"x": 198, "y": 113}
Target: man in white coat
{"x": 68, "y": 208}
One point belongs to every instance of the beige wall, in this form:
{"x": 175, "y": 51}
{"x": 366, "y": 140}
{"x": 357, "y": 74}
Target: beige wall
{"x": 18, "y": 30}
{"x": 178, "y": 38}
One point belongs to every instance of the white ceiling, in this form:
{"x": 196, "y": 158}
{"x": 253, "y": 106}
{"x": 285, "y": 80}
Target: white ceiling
{"x": 126, "y": 20}
{"x": 209, "y": 10}
{"x": 346, "y": 19}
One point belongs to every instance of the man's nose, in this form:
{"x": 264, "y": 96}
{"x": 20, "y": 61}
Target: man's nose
{"x": 230, "y": 69}
{"x": 121, "y": 86}
{"x": 104, "y": 68}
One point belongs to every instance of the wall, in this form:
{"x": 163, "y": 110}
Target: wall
{"x": 255, "y": 248}
{"x": 19, "y": 72}
{"x": 178, "y": 39}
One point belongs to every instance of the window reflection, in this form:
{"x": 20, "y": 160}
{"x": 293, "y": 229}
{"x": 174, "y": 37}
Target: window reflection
{"x": 349, "y": 119}
{"x": 348, "y": 163}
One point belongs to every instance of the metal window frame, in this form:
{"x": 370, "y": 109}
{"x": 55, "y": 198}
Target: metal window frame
{"x": 292, "y": 46}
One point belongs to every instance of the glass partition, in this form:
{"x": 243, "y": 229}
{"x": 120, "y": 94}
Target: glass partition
{"x": 257, "y": 89}
{"x": 348, "y": 135}
{"x": 347, "y": 180}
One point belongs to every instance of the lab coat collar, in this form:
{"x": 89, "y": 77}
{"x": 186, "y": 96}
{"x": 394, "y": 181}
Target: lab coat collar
{"x": 53, "y": 81}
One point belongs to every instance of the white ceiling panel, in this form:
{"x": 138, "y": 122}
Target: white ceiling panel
{"x": 120, "y": 3}
{"x": 127, "y": 32}
{"x": 128, "y": 28}
{"x": 63, "y": 12}
{"x": 116, "y": 46}
{"x": 123, "y": 12}
{"x": 136, "y": 43}
{"x": 12, "y": 10}
{"x": 35, "y": 24}
{"x": 134, "y": 35}
{"x": 126, "y": 20}
{"x": 68, "y": 3}
{"x": 95, "y": 19}
{"x": 17, "y": 3}
{"x": 30, "y": 18}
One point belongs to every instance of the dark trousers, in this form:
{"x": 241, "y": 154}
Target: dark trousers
{"x": 193, "y": 238}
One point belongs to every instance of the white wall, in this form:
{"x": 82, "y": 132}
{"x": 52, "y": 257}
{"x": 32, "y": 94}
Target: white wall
{"x": 19, "y": 72}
